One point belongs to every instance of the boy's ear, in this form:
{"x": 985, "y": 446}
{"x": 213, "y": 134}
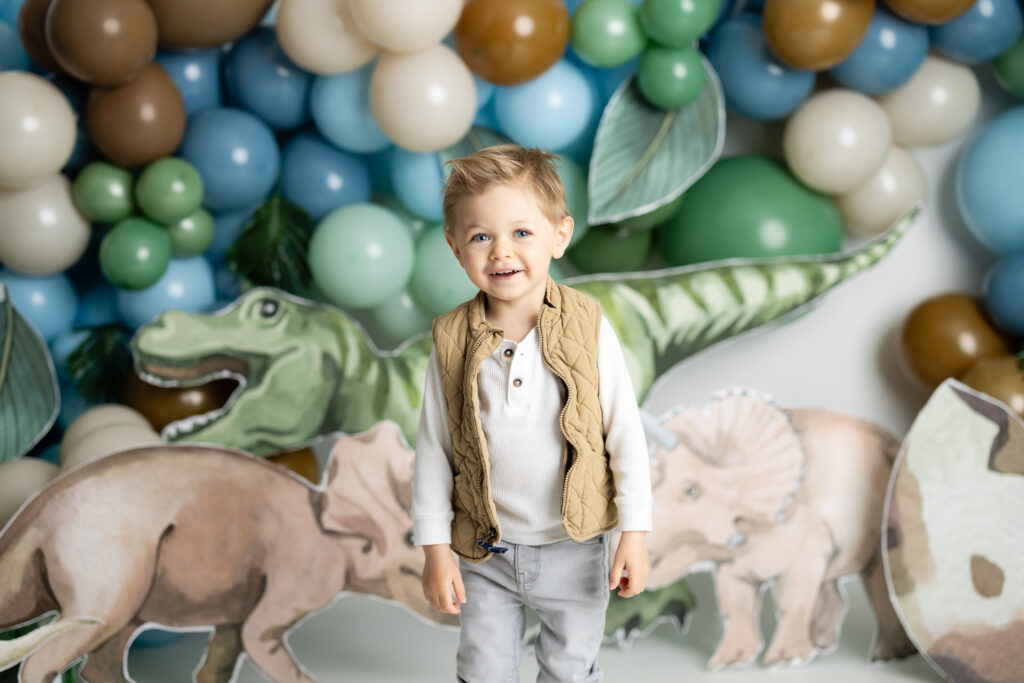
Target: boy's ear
{"x": 563, "y": 234}
{"x": 451, "y": 243}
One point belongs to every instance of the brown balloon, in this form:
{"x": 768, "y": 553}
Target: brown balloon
{"x": 206, "y": 23}
{"x": 302, "y": 462}
{"x": 930, "y": 11}
{"x": 139, "y": 122}
{"x": 512, "y": 41}
{"x": 103, "y": 42}
{"x": 815, "y": 34}
{"x": 945, "y": 335}
{"x": 32, "y": 30}
{"x": 163, "y": 405}
{"x": 1000, "y": 377}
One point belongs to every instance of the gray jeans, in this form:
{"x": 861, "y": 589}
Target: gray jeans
{"x": 565, "y": 583}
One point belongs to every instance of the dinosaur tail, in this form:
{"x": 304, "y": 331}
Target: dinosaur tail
{"x": 13, "y": 651}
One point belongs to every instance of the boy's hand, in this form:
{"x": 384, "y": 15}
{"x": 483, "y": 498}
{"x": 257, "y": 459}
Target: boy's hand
{"x": 632, "y": 557}
{"x": 441, "y": 577}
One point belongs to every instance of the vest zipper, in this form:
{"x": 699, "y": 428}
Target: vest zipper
{"x": 561, "y": 417}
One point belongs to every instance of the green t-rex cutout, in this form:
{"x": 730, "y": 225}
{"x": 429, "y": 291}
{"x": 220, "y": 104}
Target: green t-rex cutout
{"x": 308, "y": 369}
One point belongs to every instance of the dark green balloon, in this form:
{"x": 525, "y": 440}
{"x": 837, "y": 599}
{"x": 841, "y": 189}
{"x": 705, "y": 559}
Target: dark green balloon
{"x": 169, "y": 189}
{"x": 677, "y": 23}
{"x": 611, "y": 250}
{"x": 670, "y": 77}
{"x": 193, "y": 234}
{"x": 653, "y": 219}
{"x": 607, "y": 32}
{"x": 1009, "y": 69}
{"x": 135, "y": 253}
{"x": 103, "y": 192}
{"x": 750, "y": 207}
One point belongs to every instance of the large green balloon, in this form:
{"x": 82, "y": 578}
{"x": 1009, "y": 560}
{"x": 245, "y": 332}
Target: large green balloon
{"x": 654, "y": 219}
{"x": 104, "y": 192}
{"x": 611, "y": 250}
{"x": 135, "y": 253}
{"x": 750, "y": 207}
{"x": 439, "y": 282}
{"x": 192, "y": 234}
{"x": 574, "y": 179}
{"x": 399, "y": 318}
{"x": 677, "y": 23}
{"x": 169, "y": 189}
{"x": 607, "y": 32}
{"x": 670, "y": 77}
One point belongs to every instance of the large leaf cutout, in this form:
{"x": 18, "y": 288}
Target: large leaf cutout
{"x": 645, "y": 157}
{"x": 29, "y": 398}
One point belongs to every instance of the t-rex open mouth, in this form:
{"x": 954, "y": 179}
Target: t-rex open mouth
{"x": 161, "y": 371}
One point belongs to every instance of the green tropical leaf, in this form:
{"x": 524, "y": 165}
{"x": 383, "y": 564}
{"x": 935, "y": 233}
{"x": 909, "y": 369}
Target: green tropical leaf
{"x": 273, "y": 248}
{"x": 645, "y": 157}
{"x": 29, "y": 397}
{"x": 628, "y": 618}
{"x": 101, "y": 363}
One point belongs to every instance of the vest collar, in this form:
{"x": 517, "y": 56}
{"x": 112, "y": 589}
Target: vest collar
{"x": 478, "y": 324}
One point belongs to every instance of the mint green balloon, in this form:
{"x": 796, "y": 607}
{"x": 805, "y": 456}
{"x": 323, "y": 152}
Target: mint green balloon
{"x": 611, "y": 250}
{"x": 677, "y": 23}
{"x": 574, "y": 179}
{"x": 750, "y": 207}
{"x": 192, "y": 234}
{"x": 607, "y": 32}
{"x": 438, "y": 282}
{"x": 670, "y": 77}
{"x": 361, "y": 255}
{"x": 169, "y": 189}
{"x": 655, "y": 218}
{"x": 135, "y": 253}
{"x": 399, "y": 318}
{"x": 103, "y": 192}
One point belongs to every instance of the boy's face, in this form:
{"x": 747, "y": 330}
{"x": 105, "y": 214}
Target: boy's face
{"x": 506, "y": 243}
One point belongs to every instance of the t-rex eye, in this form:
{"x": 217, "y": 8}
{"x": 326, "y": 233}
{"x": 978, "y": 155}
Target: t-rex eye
{"x": 268, "y": 307}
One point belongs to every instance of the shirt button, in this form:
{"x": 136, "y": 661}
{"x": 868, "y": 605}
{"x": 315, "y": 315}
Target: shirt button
{"x": 517, "y": 382}
{"x": 508, "y": 353}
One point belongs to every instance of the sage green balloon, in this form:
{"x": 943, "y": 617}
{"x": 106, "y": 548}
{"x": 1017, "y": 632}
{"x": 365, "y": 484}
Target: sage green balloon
{"x": 607, "y": 32}
{"x": 103, "y": 192}
{"x": 611, "y": 250}
{"x": 677, "y": 23}
{"x": 399, "y": 318}
{"x": 169, "y": 189}
{"x": 654, "y": 219}
{"x": 192, "y": 234}
{"x": 574, "y": 179}
{"x": 750, "y": 207}
{"x": 1009, "y": 69}
{"x": 438, "y": 281}
{"x": 670, "y": 77}
{"x": 135, "y": 253}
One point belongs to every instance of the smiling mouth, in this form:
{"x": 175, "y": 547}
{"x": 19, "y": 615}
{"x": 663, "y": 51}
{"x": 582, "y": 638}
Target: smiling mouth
{"x": 505, "y": 274}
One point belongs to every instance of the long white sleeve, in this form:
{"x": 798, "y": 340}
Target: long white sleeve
{"x": 432, "y": 479}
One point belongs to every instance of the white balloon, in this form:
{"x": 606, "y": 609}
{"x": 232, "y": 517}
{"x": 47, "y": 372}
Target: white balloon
{"x": 406, "y": 25}
{"x": 935, "y": 105}
{"x": 19, "y": 480}
{"x": 99, "y": 417}
{"x": 835, "y": 140}
{"x": 321, "y": 36}
{"x": 42, "y": 232}
{"x": 37, "y": 129}
{"x": 874, "y": 205}
{"x": 423, "y": 101}
{"x": 106, "y": 440}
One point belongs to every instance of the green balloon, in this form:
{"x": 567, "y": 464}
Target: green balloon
{"x": 677, "y": 23}
{"x": 103, "y": 192}
{"x": 611, "y": 250}
{"x": 670, "y": 77}
{"x": 653, "y": 219}
{"x": 574, "y": 179}
{"x": 192, "y": 234}
{"x": 607, "y": 32}
{"x": 169, "y": 189}
{"x": 1009, "y": 69}
{"x": 399, "y": 318}
{"x": 439, "y": 282}
{"x": 750, "y": 207}
{"x": 135, "y": 253}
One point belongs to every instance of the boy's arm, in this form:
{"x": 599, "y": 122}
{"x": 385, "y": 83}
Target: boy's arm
{"x": 432, "y": 480}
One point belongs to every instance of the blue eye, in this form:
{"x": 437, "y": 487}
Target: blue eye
{"x": 474, "y": 237}
{"x": 526, "y": 233}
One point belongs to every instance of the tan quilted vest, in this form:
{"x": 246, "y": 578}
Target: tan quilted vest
{"x": 568, "y": 330}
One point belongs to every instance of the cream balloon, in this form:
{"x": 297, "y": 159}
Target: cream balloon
{"x": 406, "y": 25}
{"x": 835, "y": 140}
{"x": 20, "y": 479}
{"x": 37, "y": 130}
{"x": 42, "y": 232}
{"x": 321, "y": 36}
{"x": 99, "y": 417}
{"x": 423, "y": 101}
{"x": 935, "y": 105}
{"x": 887, "y": 194}
{"x": 106, "y": 440}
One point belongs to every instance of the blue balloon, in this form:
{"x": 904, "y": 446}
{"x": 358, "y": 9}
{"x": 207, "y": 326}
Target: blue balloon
{"x": 225, "y": 283}
{"x": 72, "y": 405}
{"x": 379, "y": 164}
{"x": 229, "y": 226}
{"x": 197, "y": 75}
{"x": 1004, "y": 292}
{"x": 320, "y": 178}
{"x": 418, "y": 181}
{"x": 48, "y": 302}
{"x": 484, "y": 91}
{"x": 982, "y": 33}
{"x": 340, "y": 106}
{"x": 262, "y": 78}
{"x": 51, "y": 454}
{"x": 550, "y": 111}
{"x": 61, "y": 348}
{"x": 9, "y": 11}
{"x": 186, "y": 285}
{"x": 582, "y": 147}
{"x": 77, "y": 93}
{"x": 236, "y": 155}
{"x": 988, "y": 183}
{"x": 755, "y": 83}
{"x": 485, "y": 117}
{"x": 890, "y": 53}
{"x": 12, "y": 55}
{"x": 98, "y": 306}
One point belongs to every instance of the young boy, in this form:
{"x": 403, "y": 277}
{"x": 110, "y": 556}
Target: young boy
{"x": 530, "y": 447}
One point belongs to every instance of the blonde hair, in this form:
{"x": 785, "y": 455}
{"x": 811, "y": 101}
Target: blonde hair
{"x": 531, "y": 168}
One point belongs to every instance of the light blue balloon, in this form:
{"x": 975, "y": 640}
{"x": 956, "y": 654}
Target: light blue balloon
{"x": 61, "y": 348}
{"x": 889, "y": 54}
{"x": 340, "y": 106}
{"x": 72, "y": 405}
{"x": 581, "y": 148}
{"x": 48, "y": 302}
{"x": 197, "y": 75}
{"x": 418, "y": 181}
{"x": 485, "y": 117}
{"x": 320, "y": 178}
{"x": 225, "y": 283}
{"x": 755, "y": 83}
{"x": 484, "y": 91}
{"x": 12, "y": 55}
{"x": 98, "y": 306}
{"x": 9, "y": 11}
{"x": 550, "y": 111}
{"x": 262, "y": 78}
{"x": 236, "y": 155}
{"x": 229, "y": 226}
{"x": 988, "y": 189}
{"x": 1004, "y": 292}
{"x": 186, "y": 285}
{"x": 379, "y": 164}
{"x": 982, "y": 33}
